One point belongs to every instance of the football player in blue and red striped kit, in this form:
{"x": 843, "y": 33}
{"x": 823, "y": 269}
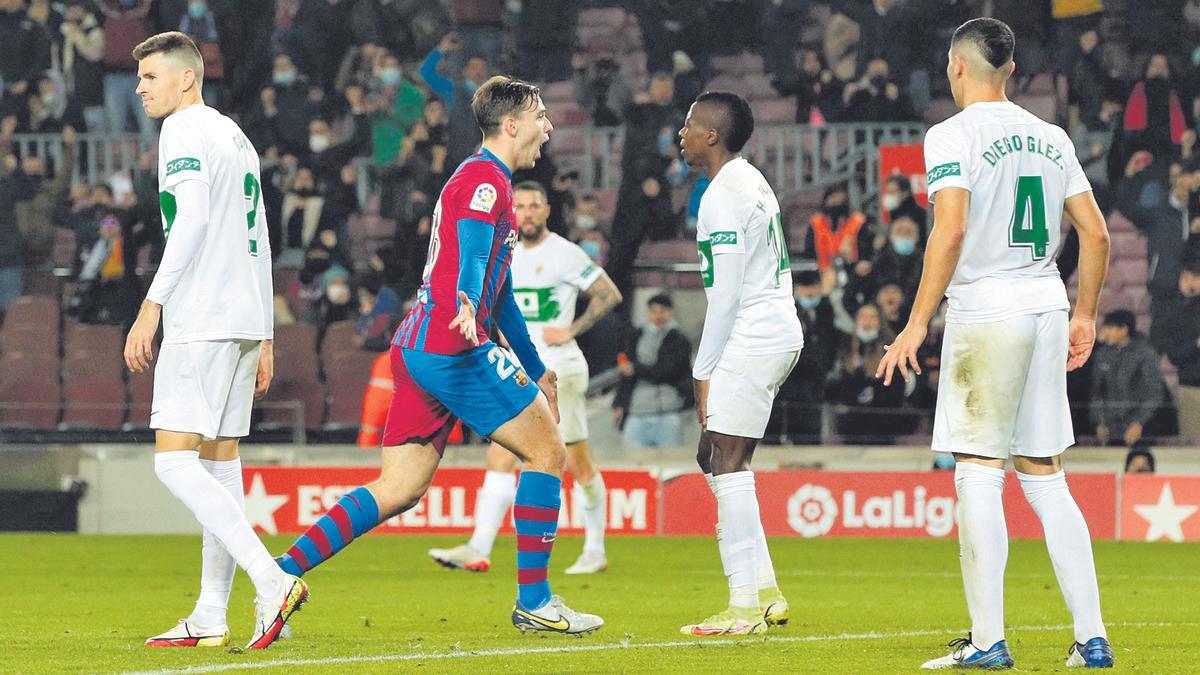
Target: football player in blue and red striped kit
{"x": 446, "y": 368}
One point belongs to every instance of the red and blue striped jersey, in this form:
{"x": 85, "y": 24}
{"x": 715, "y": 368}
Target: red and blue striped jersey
{"x": 478, "y": 196}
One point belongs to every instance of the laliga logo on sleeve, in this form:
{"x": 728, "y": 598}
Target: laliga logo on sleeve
{"x": 484, "y": 199}
{"x": 812, "y": 510}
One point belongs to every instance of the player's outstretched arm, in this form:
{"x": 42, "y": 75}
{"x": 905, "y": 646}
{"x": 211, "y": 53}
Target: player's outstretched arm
{"x": 941, "y": 257}
{"x": 1088, "y": 220}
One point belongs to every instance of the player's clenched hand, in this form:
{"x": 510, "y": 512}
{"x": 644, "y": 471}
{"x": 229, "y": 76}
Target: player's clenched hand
{"x": 266, "y": 368}
{"x": 1083, "y": 336}
{"x": 549, "y": 386}
{"x": 139, "y": 345}
{"x": 901, "y": 354}
{"x": 465, "y": 321}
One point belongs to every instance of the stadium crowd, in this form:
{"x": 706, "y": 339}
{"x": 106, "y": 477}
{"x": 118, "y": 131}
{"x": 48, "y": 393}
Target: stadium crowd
{"x": 326, "y": 89}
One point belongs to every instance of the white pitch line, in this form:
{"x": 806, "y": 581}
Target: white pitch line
{"x": 614, "y": 646}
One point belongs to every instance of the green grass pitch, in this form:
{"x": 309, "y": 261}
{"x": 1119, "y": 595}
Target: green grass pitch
{"x": 85, "y": 604}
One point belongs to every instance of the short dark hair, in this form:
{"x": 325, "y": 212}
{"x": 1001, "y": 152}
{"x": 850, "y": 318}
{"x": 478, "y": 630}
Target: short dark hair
{"x": 900, "y": 181}
{"x": 1141, "y": 448}
{"x": 806, "y": 278}
{"x": 1121, "y": 318}
{"x": 500, "y": 97}
{"x": 993, "y": 37}
{"x": 533, "y": 186}
{"x": 736, "y": 121}
{"x": 172, "y": 43}
{"x": 661, "y": 299}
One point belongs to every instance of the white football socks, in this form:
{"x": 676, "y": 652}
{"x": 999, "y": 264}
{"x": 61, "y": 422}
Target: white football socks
{"x": 217, "y": 566}
{"x": 219, "y": 514}
{"x": 496, "y": 497}
{"x": 593, "y": 499}
{"x": 1070, "y": 548}
{"x": 738, "y": 528}
{"x": 983, "y": 548}
{"x": 766, "y": 569}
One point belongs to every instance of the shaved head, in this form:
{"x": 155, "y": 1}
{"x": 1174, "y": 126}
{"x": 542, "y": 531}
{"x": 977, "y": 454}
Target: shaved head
{"x": 729, "y": 115}
{"x": 986, "y": 45}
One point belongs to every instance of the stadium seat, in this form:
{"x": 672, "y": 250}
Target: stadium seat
{"x": 92, "y": 365}
{"x": 1117, "y": 222}
{"x": 23, "y": 336}
{"x": 103, "y": 341}
{"x": 35, "y": 362}
{"x": 310, "y": 395}
{"x": 298, "y": 339}
{"x": 29, "y": 402}
{"x": 775, "y": 110}
{"x": 140, "y": 389}
{"x": 93, "y": 404}
{"x": 339, "y": 339}
{"x": 41, "y": 310}
{"x": 349, "y": 373}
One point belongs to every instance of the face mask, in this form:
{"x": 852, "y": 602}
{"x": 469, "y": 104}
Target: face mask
{"x": 866, "y": 335}
{"x": 586, "y": 222}
{"x": 592, "y": 248}
{"x": 837, "y": 213}
{"x": 890, "y": 202}
{"x": 904, "y": 245}
{"x": 284, "y": 79}
{"x": 318, "y": 143}
{"x": 808, "y": 302}
{"x": 197, "y": 10}
{"x": 48, "y": 98}
{"x": 390, "y": 77}
{"x": 338, "y": 294}
{"x": 470, "y": 86}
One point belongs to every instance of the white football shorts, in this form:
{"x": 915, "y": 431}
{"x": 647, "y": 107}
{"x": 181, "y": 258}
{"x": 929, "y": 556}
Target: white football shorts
{"x": 205, "y": 388}
{"x": 572, "y": 401}
{"x": 1003, "y": 388}
{"x": 742, "y": 391}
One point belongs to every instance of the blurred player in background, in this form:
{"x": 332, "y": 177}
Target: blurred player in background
{"x": 751, "y": 341}
{"x": 445, "y": 367}
{"x": 548, "y": 272}
{"x": 1000, "y": 179}
{"x": 213, "y": 293}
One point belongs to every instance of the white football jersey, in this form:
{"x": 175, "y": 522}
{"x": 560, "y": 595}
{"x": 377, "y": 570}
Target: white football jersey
{"x": 547, "y": 279}
{"x": 740, "y": 214}
{"x": 1019, "y": 170}
{"x": 219, "y": 296}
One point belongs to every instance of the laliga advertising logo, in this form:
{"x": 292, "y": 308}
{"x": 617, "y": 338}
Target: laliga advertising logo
{"x": 812, "y": 510}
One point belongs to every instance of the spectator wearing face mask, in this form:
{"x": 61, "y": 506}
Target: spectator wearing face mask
{"x": 1155, "y": 116}
{"x": 394, "y": 104}
{"x": 326, "y": 155}
{"x": 876, "y": 98}
{"x": 1127, "y": 383}
{"x": 838, "y": 237}
{"x": 797, "y": 419}
{"x": 336, "y": 301}
{"x": 870, "y": 411}
{"x": 284, "y": 111}
{"x": 899, "y": 201}
{"x": 656, "y": 383}
{"x": 301, "y": 212}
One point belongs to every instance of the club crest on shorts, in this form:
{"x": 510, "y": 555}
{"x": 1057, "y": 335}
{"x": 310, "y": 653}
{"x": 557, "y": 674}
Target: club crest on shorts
{"x": 521, "y": 378}
{"x": 484, "y": 199}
